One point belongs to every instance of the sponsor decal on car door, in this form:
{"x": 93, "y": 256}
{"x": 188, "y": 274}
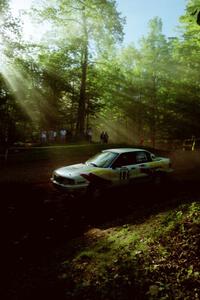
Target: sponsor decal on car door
{"x": 142, "y": 165}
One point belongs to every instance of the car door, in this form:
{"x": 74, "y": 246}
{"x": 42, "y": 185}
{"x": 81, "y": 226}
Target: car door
{"x": 125, "y": 167}
{"x": 143, "y": 166}
{"x": 132, "y": 166}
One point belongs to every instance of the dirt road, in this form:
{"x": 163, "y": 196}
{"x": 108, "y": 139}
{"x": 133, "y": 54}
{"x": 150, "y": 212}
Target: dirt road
{"x": 41, "y": 221}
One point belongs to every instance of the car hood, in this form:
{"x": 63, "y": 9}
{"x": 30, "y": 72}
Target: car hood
{"x": 74, "y": 171}
{"x": 85, "y": 173}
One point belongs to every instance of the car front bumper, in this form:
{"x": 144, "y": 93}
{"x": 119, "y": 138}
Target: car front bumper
{"x": 69, "y": 188}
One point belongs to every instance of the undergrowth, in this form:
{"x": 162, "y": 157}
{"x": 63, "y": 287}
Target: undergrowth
{"x": 158, "y": 259}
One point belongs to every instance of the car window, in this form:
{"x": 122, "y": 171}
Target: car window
{"x": 125, "y": 159}
{"x": 142, "y": 157}
{"x": 103, "y": 159}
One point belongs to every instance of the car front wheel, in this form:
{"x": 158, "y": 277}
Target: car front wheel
{"x": 158, "y": 179}
{"x": 94, "y": 192}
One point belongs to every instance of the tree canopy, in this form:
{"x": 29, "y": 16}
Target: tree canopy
{"x": 77, "y": 76}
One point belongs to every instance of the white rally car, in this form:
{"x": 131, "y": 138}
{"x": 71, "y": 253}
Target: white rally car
{"x": 109, "y": 168}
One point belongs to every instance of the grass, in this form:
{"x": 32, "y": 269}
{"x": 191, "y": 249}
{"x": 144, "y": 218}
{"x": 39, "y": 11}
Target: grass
{"x": 48, "y": 153}
{"x": 157, "y": 259}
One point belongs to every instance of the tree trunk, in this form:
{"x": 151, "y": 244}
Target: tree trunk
{"x": 154, "y": 113}
{"x": 80, "y": 125}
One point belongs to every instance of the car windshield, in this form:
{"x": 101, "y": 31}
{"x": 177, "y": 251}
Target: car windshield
{"x": 103, "y": 159}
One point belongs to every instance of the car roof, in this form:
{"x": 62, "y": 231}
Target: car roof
{"x": 123, "y": 150}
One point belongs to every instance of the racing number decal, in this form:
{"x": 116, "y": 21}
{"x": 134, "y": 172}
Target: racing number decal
{"x": 124, "y": 174}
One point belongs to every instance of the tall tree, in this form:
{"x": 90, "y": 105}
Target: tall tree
{"x": 187, "y": 79}
{"x": 94, "y": 25}
{"x": 153, "y": 68}
{"x": 9, "y": 45}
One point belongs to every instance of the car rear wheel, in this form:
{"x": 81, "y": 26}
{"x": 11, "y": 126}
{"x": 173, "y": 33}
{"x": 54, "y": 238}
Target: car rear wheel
{"x": 158, "y": 179}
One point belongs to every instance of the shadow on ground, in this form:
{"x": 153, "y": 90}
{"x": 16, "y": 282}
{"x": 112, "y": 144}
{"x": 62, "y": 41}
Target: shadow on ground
{"x": 41, "y": 220}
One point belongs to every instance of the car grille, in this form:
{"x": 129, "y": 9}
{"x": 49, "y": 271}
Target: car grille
{"x": 63, "y": 180}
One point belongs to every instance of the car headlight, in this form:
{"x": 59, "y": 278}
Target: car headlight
{"x": 63, "y": 180}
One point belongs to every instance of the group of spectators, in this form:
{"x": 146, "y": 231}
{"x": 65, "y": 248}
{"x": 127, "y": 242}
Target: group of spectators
{"x": 104, "y": 137}
{"x": 53, "y": 136}
{"x": 64, "y": 135}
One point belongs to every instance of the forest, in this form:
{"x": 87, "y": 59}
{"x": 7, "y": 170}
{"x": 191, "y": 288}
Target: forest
{"x": 136, "y": 242}
{"x": 78, "y": 76}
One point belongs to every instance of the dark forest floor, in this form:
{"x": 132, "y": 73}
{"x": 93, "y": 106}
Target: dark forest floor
{"x": 41, "y": 224}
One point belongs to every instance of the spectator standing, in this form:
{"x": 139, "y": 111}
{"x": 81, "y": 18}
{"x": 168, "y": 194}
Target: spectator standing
{"x": 106, "y": 137}
{"x": 43, "y": 136}
{"x": 54, "y": 136}
{"x": 102, "y": 137}
{"x": 89, "y": 134}
{"x": 51, "y": 136}
{"x": 63, "y": 135}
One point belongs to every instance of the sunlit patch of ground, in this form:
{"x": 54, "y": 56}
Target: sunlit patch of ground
{"x": 153, "y": 260}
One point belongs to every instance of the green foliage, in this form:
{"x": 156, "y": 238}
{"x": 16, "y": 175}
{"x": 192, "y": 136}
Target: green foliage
{"x": 3, "y": 6}
{"x": 157, "y": 87}
{"x": 10, "y": 112}
{"x": 193, "y": 9}
{"x": 82, "y": 26}
{"x": 154, "y": 260}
